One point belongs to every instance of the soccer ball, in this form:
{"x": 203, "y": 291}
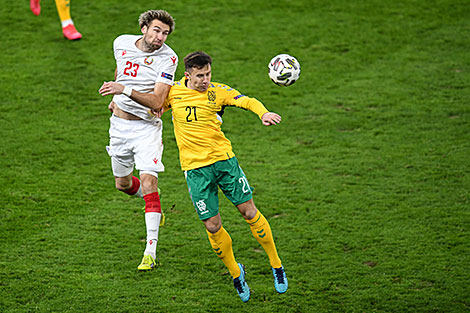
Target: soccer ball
{"x": 284, "y": 70}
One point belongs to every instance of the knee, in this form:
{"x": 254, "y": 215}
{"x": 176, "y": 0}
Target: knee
{"x": 213, "y": 226}
{"x": 250, "y": 213}
{"x": 248, "y": 209}
{"x": 149, "y": 184}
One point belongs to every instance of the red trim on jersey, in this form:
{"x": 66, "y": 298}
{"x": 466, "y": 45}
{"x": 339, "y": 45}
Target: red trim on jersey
{"x": 134, "y": 188}
{"x": 152, "y": 203}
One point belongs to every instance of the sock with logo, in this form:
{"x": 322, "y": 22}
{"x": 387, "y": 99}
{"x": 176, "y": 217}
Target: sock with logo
{"x": 262, "y": 232}
{"x": 222, "y": 245}
{"x": 153, "y": 214}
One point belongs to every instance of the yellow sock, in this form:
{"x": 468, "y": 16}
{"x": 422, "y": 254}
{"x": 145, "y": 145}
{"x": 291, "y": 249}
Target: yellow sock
{"x": 262, "y": 232}
{"x": 222, "y": 245}
{"x": 63, "y": 8}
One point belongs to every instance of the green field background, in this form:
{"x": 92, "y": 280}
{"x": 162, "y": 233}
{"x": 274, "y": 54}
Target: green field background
{"x": 365, "y": 182}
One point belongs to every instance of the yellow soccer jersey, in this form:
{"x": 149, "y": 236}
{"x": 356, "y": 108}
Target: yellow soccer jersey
{"x": 197, "y": 120}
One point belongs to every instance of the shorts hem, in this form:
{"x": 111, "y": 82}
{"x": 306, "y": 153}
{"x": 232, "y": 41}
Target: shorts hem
{"x": 242, "y": 201}
{"x": 206, "y": 218}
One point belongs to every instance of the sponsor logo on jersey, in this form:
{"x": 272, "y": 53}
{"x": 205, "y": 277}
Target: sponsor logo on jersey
{"x": 148, "y": 60}
{"x": 173, "y": 58}
{"x": 238, "y": 97}
{"x": 124, "y": 53}
{"x": 211, "y": 95}
{"x": 167, "y": 76}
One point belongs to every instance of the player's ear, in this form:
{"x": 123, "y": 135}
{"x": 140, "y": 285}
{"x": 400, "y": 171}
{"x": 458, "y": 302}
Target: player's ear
{"x": 186, "y": 74}
{"x": 144, "y": 29}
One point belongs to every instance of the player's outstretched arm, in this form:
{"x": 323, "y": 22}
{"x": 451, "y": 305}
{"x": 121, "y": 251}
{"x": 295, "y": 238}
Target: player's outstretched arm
{"x": 153, "y": 101}
{"x": 270, "y": 118}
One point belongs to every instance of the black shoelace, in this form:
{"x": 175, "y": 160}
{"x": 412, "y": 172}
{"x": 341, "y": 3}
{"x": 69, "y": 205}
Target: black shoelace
{"x": 238, "y": 285}
{"x": 279, "y": 275}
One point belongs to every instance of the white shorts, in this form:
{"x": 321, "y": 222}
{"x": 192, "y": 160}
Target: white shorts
{"x": 135, "y": 142}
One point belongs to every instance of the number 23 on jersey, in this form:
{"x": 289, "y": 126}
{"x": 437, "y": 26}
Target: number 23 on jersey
{"x": 131, "y": 69}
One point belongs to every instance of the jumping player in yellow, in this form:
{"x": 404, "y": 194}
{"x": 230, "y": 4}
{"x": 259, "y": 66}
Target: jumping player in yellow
{"x": 208, "y": 162}
{"x": 63, "y": 8}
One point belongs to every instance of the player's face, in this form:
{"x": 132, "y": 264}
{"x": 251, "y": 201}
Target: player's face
{"x": 155, "y": 35}
{"x": 199, "y": 78}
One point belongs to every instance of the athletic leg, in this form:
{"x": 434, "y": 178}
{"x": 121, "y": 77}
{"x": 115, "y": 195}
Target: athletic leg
{"x": 153, "y": 212}
{"x": 221, "y": 243}
{"x": 68, "y": 28}
{"x": 261, "y": 230}
{"x": 148, "y": 150}
{"x": 204, "y": 194}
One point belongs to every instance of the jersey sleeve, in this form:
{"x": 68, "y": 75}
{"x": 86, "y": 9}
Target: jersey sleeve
{"x": 117, "y": 47}
{"x": 166, "y": 70}
{"x": 233, "y": 97}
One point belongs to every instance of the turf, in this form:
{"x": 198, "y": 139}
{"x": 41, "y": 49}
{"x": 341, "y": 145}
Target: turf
{"x": 365, "y": 182}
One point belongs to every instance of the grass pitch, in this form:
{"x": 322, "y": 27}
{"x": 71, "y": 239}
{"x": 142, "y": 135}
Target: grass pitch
{"x": 365, "y": 182}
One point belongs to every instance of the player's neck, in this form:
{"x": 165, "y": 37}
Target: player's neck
{"x": 140, "y": 44}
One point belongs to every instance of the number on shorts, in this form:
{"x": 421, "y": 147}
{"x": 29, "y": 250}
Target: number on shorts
{"x": 246, "y": 186}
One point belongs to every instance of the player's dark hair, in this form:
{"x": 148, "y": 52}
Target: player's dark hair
{"x": 197, "y": 59}
{"x": 146, "y": 18}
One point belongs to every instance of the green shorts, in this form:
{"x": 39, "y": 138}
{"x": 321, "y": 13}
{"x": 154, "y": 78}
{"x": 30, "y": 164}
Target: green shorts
{"x": 203, "y": 186}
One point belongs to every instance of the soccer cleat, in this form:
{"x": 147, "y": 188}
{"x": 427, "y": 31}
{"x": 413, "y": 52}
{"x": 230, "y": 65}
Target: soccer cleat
{"x": 241, "y": 286}
{"x": 71, "y": 33}
{"x": 35, "y": 7}
{"x": 148, "y": 263}
{"x": 280, "y": 279}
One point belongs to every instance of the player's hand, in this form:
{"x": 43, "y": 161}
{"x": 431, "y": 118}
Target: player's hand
{"x": 158, "y": 113}
{"x": 270, "y": 118}
{"x": 111, "y": 88}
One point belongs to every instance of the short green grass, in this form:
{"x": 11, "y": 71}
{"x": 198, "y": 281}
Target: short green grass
{"x": 365, "y": 182}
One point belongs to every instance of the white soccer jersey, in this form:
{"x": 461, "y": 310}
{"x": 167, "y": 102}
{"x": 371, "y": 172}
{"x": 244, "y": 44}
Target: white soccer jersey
{"x": 141, "y": 70}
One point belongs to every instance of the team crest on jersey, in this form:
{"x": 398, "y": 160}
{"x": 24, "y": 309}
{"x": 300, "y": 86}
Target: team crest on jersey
{"x": 148, "y": 60}
{"x": 211, "y": 95}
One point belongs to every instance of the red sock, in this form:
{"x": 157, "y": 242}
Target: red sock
{"x": 134, "y": 188}
{"x": 152, "y": 203}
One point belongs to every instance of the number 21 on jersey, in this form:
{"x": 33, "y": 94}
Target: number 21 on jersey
{"x": 191, "y": 114}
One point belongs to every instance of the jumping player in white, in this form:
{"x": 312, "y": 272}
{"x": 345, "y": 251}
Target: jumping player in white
{"x": 144, "y": 75}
